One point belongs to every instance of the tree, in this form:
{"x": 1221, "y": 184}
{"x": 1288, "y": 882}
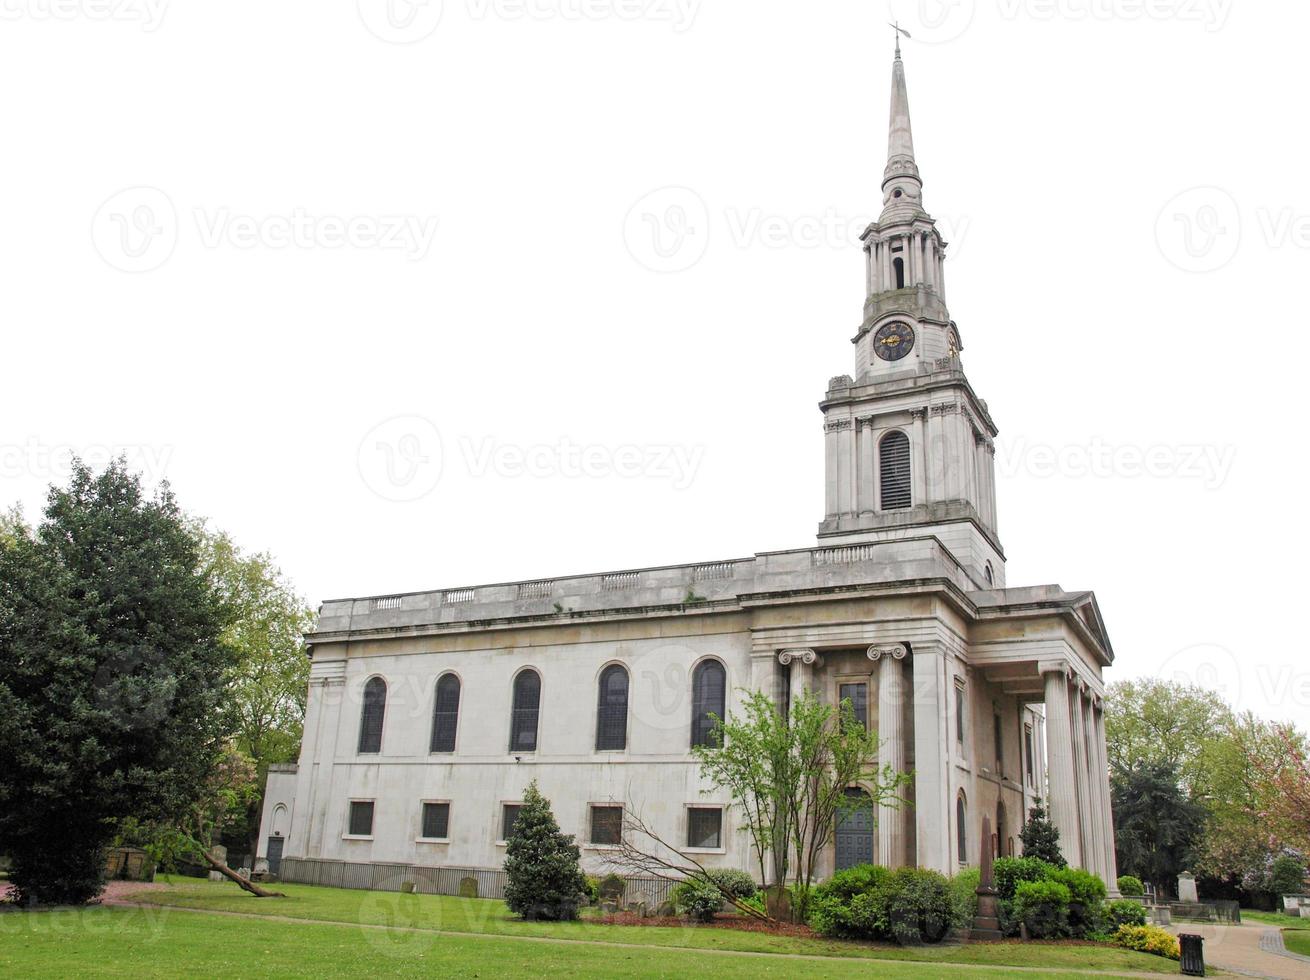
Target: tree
{"x": 268, "y": 672}
{"x": 1156, "y": 826}
{"x": 1287, "y": 875}
{"x": 110, "y": 676}
{"x": 541, "y": 864}
{"x": 788, "y": 773}
{"x": 1041, "y": 838}
{"x": 1152, "y": 721}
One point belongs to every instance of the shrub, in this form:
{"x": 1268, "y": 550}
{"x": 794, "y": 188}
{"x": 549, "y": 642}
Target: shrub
{"x": 1131, "y": 885}
{"x": 964, "y": 895}
{"x": 541, "y": 864}
{"x": 697, "y": 899}
{"x": 1086, "y": 900}
{"x": 1286, "y": 876}
{"x": 737, "y": 884}
{"x": 1043, "y": 907}
{"x": 1009, "y": 872}
{"x": 918, "y": 906}
{"x": 849, "y": 882}
{"x": 1124, "y": 913}
{"x": 1041, "y": 838}
{"x": 591, "y": 886}
{"x": 1148, "y": 939}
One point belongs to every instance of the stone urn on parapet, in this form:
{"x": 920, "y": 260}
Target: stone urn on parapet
{"x": 986, "y": 924}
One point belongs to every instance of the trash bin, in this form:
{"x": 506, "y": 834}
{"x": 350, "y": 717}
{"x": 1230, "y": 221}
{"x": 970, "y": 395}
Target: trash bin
{"x": 1193, "y": 959}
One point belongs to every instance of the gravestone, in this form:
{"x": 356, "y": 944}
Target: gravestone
{"x": 468, "y": 888}
{"x": 220, "y": 854}
{"x": 1187, "y": 888}
{"x": 986, "y": 923}
{"x": 777, "y": 902}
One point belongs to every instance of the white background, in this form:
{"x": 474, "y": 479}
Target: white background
{"x": 1054, "y": 137}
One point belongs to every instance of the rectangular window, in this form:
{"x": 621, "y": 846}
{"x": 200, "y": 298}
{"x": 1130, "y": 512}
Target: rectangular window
{"x": 509, "y": 816}
{"x": 858, "y": 695}
{"x": 704, "y": 827}
{"x": 606, "y": 824}
{"x": 361, "y": 818}
{"x": 436, "y": 821}
{"x": 1028, "y": 752}
{"x": 959, "y": 712}
{"x": 998, "y": 736}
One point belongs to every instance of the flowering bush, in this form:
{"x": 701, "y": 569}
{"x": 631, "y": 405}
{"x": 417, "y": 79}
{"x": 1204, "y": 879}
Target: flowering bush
{"x": 1148, "y": 939}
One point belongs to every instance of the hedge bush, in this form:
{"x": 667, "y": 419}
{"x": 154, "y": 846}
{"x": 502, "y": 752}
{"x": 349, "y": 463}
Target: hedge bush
{"x": 737, "y": 884}
{"x": 908, "y": 905}
{"x": 1043, "y": 907}
{"x": 964, "y": 894}
{"x": 1008, "y": 872}
{"x": 1086, "y": 900}
{"x": 1148, "y": 939}
{"x": 697, "y": 899}
{"x": 1124, "y": 913}
{"x": 1131, "y": 885}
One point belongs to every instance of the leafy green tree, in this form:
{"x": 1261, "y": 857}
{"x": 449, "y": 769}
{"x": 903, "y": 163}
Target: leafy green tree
{"x": 1157, "y": 828}
{"x": 788, "y": 773}
{"x": 545, "y": 881}
{"x": 111, "y": 673}
{"x": 268, "y": 672}
{"x": 1151, "y": 721}
{"x": 1287, "y": 876}
{"x": 1041, "y": 838}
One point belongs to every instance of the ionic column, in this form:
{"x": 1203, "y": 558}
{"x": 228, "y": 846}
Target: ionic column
{"x": 1085, "y": 842}
{"x": 1107, "y": 812}
{"x": 891, "y": 747}
{"x": 932, "y": 807}
{"x": 1062, "y": 774}
{"x": 868, "y": 270}
{"x": 885, "y": 248}
{"x": 1095, "y": 806}
{"x": 802, "y": 664}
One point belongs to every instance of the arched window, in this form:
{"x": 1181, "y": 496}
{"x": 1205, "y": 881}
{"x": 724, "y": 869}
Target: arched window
{"x": 612, "y": 709}
{"x": 709, "y": 687}
{"x": 445, "y": 714}
{"x": 987, "y": 571}
{"x": 527, "y": 705}
{"x": 370, "y": 719}
{"x": 894, "y": 470}
{"x": 961, "y": 829}
{"x": 1000, "y": 827}
{"x": 899, "y": 266}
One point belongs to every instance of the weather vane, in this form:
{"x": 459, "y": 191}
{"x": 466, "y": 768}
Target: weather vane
{"x": 899, "y": 31}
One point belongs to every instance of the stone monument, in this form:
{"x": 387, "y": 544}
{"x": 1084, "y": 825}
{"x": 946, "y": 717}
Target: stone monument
{"x": 986, "y": 924}
{"x": 1187, "y": 888}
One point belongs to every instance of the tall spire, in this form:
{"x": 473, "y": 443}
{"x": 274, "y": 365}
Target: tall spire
{"x": 901, "y": 178}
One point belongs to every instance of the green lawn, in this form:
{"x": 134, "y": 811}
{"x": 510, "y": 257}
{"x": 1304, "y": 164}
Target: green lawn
{"x": 452, "y": 917}
{"x": 1275, "y": 919}
{"x": 1297, "y": 940}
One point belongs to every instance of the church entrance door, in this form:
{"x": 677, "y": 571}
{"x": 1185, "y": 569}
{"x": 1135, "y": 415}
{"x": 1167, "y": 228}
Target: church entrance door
{"x": 855, "y": 830}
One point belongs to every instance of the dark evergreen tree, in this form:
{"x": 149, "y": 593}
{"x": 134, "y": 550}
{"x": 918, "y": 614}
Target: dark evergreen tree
{"x": 541, "y": 863}
{"x": 110, "y": 679}
{"x": 1041, "y": 838}
{"x": 1156, "y": 826}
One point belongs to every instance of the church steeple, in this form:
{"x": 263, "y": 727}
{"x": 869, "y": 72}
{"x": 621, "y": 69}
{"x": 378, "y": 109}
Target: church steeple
{"x": 902, "y": 173}
{"x": 909, "y": 446}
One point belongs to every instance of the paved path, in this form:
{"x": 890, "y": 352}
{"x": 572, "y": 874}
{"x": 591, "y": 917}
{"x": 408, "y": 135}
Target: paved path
{"x": 1251, "y": 949}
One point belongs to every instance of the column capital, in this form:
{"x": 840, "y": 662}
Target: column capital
{"x": 897, "y": 651}
{"x": 808, "y": 657}
{"x": 1054, "y": 667}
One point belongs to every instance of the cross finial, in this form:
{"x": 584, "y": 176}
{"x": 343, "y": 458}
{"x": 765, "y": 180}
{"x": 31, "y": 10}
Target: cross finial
{"x": 896, "y": 26}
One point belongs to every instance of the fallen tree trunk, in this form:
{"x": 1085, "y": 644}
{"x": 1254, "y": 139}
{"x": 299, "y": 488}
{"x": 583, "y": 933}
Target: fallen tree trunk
{"x": 244, "y": 882}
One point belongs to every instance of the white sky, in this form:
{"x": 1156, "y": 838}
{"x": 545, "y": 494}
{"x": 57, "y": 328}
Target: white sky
{"x": 1054, "y": 137}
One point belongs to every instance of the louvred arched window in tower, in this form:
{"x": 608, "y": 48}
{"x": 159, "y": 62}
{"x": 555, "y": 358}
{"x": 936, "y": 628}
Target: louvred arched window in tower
{"x": 894, "y": 470}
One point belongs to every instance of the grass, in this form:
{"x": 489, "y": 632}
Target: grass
{"x": 162, "y": 942}
{"x": 1297, "y": 940}
{"x": 453, "y": 916}
{"x": 1275, "y": 919}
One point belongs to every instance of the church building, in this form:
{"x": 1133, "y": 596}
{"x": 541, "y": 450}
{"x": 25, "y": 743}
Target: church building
{"x": 430, "y": 712}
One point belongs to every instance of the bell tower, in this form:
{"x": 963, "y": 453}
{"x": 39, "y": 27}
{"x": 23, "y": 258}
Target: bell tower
{"x": 909, "y": 447}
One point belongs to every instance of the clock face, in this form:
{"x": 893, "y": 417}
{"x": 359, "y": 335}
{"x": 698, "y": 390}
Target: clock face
{"x": 893, "y": 341}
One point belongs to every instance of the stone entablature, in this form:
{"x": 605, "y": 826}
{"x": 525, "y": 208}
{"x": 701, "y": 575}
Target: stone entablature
{"x": 701, "y": 586}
